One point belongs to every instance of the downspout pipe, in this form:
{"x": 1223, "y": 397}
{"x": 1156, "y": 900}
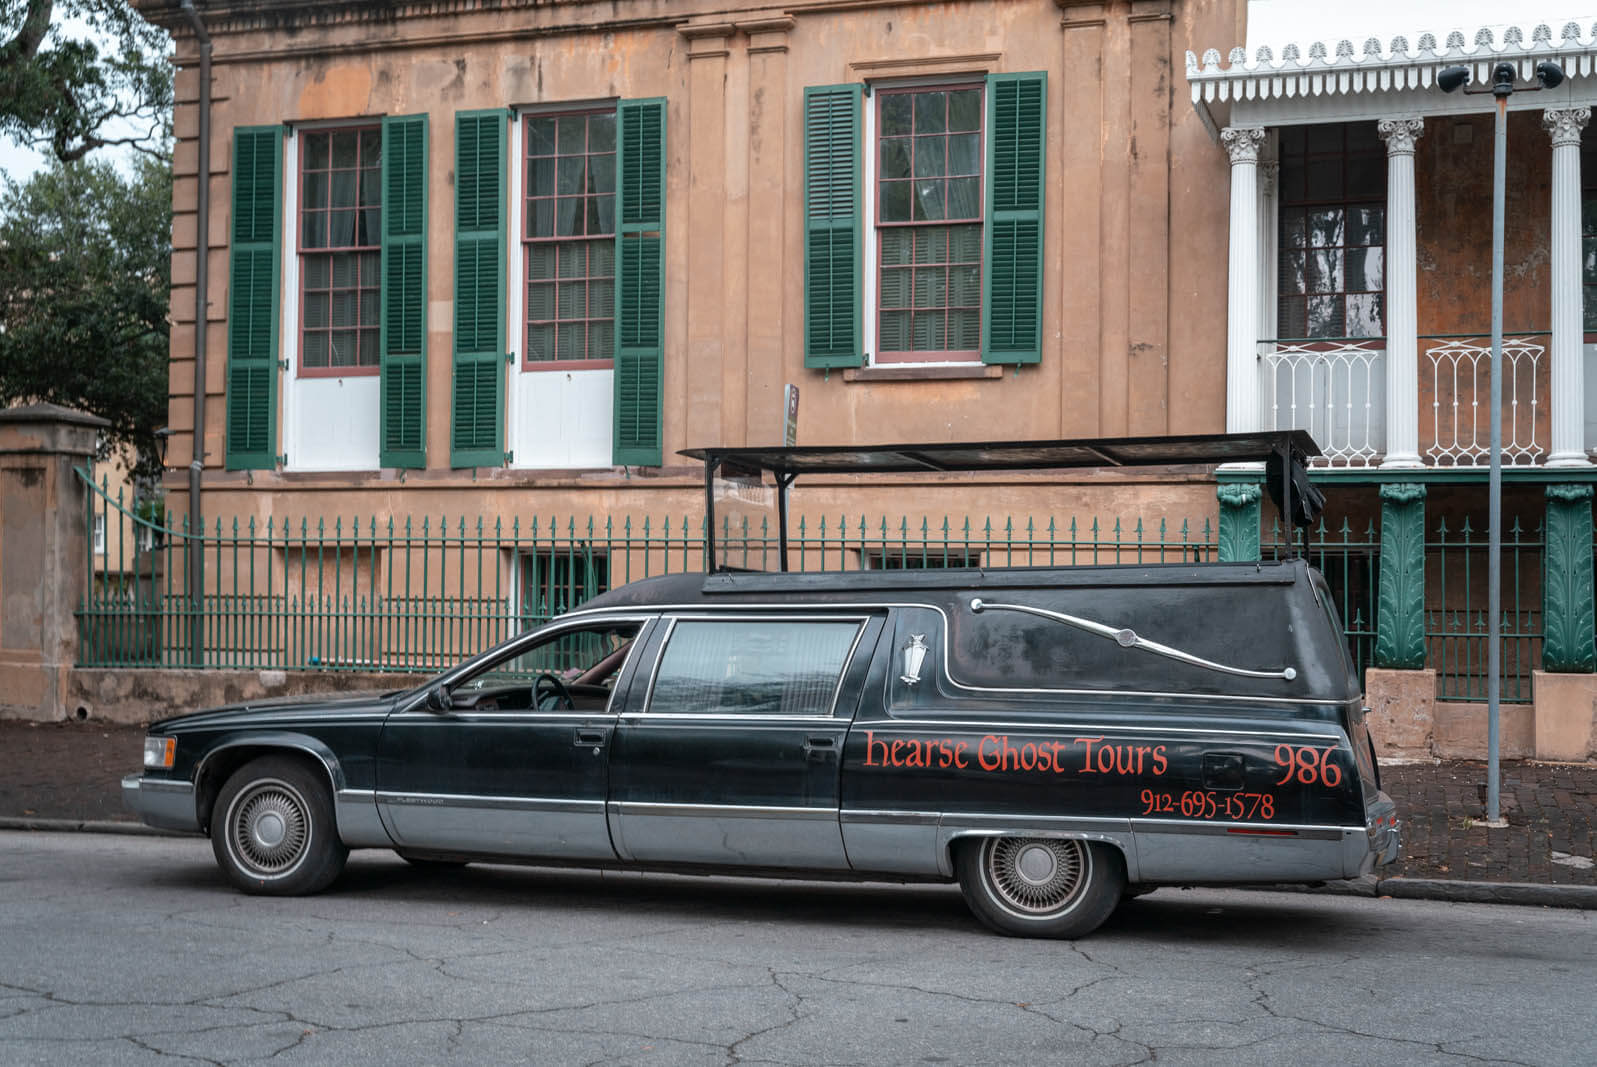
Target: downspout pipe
{"x": 202, "y": 271}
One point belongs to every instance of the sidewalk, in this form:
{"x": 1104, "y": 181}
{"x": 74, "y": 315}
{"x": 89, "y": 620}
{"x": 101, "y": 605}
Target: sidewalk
{"x": 73, "y": 772}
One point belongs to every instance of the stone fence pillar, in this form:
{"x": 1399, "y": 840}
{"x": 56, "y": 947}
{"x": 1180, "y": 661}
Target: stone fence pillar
{"x": 44, "y": 560}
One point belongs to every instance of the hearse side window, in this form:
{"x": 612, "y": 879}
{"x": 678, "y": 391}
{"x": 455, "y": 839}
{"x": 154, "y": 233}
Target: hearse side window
{"x": 752, "y": 667}
{"x": 917, "y": 660}
{"x": 581, "y": 666}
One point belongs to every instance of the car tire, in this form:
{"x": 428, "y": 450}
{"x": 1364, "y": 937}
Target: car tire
{"x": 273, "y": 830}
{"x": 1041, "y": 886}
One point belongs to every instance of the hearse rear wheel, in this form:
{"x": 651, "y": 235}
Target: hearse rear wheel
{"x": 273, "y": 830}
{"x": 1041, "y": 886}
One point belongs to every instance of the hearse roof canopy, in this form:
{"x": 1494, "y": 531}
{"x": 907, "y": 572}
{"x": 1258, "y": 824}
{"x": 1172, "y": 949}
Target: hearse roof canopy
{"x": 1284, "y": 453}
{"x": 1014, "y": 455}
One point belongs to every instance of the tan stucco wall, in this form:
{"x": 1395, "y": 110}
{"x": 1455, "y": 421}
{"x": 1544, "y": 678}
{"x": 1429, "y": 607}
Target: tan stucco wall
{"x": 1134, "y": 304}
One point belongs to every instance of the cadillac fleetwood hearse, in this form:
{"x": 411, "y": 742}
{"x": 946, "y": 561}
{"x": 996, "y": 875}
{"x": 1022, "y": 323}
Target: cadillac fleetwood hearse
{"x": 1053, "y": 739}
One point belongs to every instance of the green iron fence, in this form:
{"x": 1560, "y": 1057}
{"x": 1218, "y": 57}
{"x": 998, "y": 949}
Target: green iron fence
{"x": 1456, "y": 614}
{"x": 418, "y": 594}
{"x": 1350, "y": 560}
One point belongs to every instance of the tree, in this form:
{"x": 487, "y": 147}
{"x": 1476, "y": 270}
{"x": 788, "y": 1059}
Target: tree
{"x": 60, "y": 91}
{"x": 85, "y": 272}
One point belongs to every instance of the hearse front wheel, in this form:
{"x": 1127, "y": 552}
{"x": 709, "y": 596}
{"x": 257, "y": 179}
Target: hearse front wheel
{"x": 272, "y": 829}
{"x": 1041, "y": 886}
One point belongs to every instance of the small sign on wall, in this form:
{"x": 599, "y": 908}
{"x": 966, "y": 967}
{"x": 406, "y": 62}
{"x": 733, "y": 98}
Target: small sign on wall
{"x": 790, "y": 394}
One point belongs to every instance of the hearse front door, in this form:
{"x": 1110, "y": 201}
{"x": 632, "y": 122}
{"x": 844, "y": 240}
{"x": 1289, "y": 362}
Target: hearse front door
{"x": 734, "y": 757}
{"x": 516, "y": 765}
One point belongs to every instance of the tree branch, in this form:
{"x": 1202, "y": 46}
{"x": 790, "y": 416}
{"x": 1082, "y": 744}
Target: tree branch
{"x": 30, "y": 35}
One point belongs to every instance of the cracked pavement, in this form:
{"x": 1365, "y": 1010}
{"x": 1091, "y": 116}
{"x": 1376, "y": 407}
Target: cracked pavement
{"x": 132, "y": 950}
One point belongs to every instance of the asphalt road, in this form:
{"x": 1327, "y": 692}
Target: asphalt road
{"x": 118, "y": 949}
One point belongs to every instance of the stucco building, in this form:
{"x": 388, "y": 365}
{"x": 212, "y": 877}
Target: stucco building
{"x": 496, "y": 262}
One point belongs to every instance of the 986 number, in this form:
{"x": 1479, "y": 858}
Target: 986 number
{"x": 1309, "y": 766}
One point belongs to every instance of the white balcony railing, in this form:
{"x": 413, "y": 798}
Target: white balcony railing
{"x": 1335, "y": 389}
{"x": 1459, "y": 420}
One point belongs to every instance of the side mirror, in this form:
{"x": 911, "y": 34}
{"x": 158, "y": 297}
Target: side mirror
{"x": 438, "y": 699}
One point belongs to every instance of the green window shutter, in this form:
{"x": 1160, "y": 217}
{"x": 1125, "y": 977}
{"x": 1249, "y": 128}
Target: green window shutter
{"x": 640, "y": 282}
{"x": 477, "y": 428}
{"x": 404, "y": 313}
{"x": 1012, "y": 283}
{"x": 254, "y": 273}
{"x": 832, "y": 230}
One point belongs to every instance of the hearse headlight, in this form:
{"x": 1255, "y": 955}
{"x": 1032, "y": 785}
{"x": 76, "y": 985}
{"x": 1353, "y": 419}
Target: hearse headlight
{"x": 159, "y": 752}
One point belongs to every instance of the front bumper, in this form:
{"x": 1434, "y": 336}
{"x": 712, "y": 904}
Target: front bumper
{"x": 161, "y": 802}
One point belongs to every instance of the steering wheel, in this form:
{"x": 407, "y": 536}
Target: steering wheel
{"x": 548, "y": 684}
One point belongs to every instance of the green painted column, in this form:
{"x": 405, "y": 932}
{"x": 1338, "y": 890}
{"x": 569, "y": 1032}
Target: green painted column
{"x": 1400, "y": 615}
{"x": 1567, "y": 610}
{"x": 1239, "y": 522}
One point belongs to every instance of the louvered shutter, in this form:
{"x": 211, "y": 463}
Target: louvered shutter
{"x": 404, "y": 311}
{"x": 640, "y": 282}
{"x": 832, "y": 229}
{"x": 254, "y": 279}
{"x": 1012, "y": 282}
{"x": 477, "y": 429}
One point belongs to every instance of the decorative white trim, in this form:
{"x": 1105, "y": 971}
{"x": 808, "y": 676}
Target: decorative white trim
{"x": 1563, "y": 125}
{"x": 1400, "y": 135}
{"x": 1242, "y": 144}
{"x": 1397, "y": 66}
{"x": 1568, "y": 394}
{"x": 1402, "y": 300}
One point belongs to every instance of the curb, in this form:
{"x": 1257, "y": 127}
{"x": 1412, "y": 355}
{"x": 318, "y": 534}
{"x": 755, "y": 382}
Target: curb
{"x": 1522, "y": 894}
{"x": 87, "y": 826}
{"x": 1530, "y": 894}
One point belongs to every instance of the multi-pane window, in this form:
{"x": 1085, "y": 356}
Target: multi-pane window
{"x": 1333, "y": 232}
{"x": 928, "y": 216}
{"x": 569, "y": 239}
{"x": 340, "y": 250}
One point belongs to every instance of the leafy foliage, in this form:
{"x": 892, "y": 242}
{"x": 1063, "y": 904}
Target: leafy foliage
{"x": 59, "y": 91}
{"x": 85, "y": 272}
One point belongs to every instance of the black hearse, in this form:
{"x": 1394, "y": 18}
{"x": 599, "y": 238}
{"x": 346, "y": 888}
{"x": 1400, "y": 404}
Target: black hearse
{"x": 1051, "y": 738}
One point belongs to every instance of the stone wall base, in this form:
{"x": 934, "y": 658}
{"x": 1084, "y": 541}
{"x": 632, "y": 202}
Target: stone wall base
{"x": 145, "y": 695}
{"x": 1402, "y": 711}
{"x": 1565, "y": 720}
{"x": 1461, "y": 731}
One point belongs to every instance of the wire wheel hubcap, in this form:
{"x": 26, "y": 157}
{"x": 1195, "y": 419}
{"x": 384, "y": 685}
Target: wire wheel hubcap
{"x": 269, "y": 828}
{"x": 1035, "y": 876}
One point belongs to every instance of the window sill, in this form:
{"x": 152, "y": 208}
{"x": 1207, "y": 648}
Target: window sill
{"x": 951, "y": 372}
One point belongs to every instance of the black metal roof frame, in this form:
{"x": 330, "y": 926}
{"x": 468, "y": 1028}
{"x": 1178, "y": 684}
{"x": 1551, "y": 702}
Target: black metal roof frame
{"x": 1289, "y": 449}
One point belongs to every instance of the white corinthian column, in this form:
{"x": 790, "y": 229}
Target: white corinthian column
{"x": 1569, "y": 393}
{"x": 1242, "y": 296}
{"x": 1402, "y": 305}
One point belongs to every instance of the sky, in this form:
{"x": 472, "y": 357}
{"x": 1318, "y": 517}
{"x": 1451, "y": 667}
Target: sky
{"x": 18, "y": 162}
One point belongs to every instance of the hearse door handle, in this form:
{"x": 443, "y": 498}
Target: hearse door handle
{"x": 819, "y": 748}
{"x": 595, "y": 738}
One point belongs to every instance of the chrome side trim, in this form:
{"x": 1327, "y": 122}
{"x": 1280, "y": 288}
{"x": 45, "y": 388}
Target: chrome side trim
{"x": 686, "y": 716}
{"x": 359, "y": 825}
{"x": 1040, "y": 724}
{"x": 888, "y": 605}
{"x": 898, "y": 818}
{"x": 1129, "y": 638}
{"x": 1303, "y": 831}
{"x": 467, "y": 800}
{"x": 723, "y": 811}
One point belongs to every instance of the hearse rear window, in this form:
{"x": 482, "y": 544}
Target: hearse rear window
{"x": 781, "y": 667}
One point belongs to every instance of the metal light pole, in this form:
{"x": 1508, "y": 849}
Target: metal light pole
{"x": 1503, "y": 77}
